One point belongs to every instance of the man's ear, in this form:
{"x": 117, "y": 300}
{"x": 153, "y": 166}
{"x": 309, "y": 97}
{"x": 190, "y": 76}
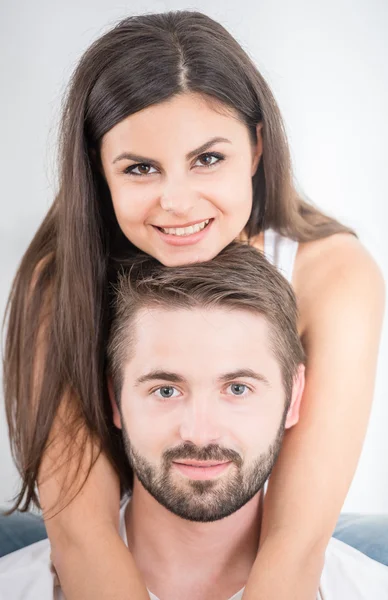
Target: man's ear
{"x": 115, "y": 408}
{"x": 296, "y": 397}
{"x": 258, "y": 149}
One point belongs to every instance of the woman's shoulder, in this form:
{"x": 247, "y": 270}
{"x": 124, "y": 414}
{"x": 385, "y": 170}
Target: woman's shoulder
{"x": 334, "y": 272}
{"x": 326, "y": 259}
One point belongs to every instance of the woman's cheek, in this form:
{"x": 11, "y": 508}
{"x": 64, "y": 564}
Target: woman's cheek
{"x": 133, "y": 206}
{"x": 233, "y": 195}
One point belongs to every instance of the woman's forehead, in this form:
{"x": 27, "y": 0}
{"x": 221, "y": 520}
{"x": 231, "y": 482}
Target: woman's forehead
{"x": 184, "y": 117}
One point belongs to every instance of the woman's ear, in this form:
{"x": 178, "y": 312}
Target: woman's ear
{"x": 115, "y": 408}
{"x": 258, "y": 149}
{"x": 296, "y": 397}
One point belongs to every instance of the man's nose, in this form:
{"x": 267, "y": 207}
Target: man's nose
{"x": 200, "y": 424}
{"x": 177, "y": 197}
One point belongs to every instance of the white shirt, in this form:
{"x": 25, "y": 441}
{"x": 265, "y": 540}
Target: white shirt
{"x": 347, "y": 575}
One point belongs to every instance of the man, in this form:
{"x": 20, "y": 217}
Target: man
{"x": 205, "y": 375}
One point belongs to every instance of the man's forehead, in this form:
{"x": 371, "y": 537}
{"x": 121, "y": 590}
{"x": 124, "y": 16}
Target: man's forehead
{"x": 215, "y": 340}
{"x": 169, "y": 325}
{"x": 229, "y": 316}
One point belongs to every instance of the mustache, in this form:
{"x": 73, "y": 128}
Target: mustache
{"x": 210, "y": 452}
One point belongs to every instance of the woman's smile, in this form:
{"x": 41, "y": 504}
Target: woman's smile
{"x": 184, "y": 235}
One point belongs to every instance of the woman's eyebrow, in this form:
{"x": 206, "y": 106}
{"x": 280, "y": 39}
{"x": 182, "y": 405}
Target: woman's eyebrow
{"x": 144, "y": 159}
{"x": 206, "y": 146}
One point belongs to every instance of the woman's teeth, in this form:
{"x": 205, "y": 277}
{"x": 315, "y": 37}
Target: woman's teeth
{"x": 185, "y": 230}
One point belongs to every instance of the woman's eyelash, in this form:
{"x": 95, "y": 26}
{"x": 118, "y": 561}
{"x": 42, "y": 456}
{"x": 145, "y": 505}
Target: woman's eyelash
{"x": 130, "y": 170}
{"x": 212, "y": 154}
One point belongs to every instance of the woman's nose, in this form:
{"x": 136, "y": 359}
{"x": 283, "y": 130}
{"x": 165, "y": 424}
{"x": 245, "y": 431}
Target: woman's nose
{"x": 177, "y": 198}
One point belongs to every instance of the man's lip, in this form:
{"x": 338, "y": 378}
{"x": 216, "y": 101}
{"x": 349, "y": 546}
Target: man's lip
{"x": 184, "y": 225}
{"x": 204, "y": 463}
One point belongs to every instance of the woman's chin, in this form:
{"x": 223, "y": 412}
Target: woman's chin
{"x": 188, "y": 257}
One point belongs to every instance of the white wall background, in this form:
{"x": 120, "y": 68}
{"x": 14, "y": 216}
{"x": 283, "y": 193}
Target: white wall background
{"x": 326, "y": 62}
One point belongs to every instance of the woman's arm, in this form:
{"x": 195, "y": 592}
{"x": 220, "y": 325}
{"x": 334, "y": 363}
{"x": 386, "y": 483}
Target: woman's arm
{"x": 341, "y": 301}
{"x": 89, "y": 556}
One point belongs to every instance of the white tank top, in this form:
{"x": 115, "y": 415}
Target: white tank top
{"x": 280, "y": 251}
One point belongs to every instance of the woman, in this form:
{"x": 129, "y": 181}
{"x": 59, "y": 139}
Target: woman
{"x": 172, "y": 143}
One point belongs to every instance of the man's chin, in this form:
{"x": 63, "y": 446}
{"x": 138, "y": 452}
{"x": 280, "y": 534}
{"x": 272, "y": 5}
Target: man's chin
{"x": 206, "y": 510}
{"x": 201, "y": 501}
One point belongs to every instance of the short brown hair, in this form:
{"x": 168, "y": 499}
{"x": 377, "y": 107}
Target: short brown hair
{"x": 240, "y": 277}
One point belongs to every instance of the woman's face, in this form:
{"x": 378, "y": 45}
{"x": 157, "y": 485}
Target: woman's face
{"x": 180, "y": 176}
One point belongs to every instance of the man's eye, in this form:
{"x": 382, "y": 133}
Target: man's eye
{"x": 238, "y": 389}
{"x": 166, "y": 392}
{"x": 209, "y": 159}
{"x": 140, "y": 169}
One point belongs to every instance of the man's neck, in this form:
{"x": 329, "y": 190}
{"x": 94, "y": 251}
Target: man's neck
{"x": 180, "y": 558}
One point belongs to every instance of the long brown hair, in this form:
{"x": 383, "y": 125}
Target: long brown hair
{"x": 62, "y": 284}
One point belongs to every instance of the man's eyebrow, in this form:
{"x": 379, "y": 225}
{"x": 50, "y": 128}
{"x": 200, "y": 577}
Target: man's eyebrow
{"x": 158, "y": 375}
{"x": 143, "y": 159}
{"x": 240, "y": 373}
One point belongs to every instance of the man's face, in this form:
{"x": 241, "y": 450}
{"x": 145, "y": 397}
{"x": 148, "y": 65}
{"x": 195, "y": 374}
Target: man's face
{"x": 202, "y": 409}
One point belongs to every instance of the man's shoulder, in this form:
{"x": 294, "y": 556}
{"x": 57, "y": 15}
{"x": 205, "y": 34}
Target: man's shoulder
{"x": 350, "y": 574}
{"x": 27, "y": 574}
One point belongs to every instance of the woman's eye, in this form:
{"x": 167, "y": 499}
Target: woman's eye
{"x": 238, "y": 389}
{"x": 209, "y": 159}
{"x": 140, "y": 169}
{"x": 166, "y": 392}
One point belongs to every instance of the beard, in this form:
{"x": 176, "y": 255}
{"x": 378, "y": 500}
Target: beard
{"x": 204, "y": 500}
